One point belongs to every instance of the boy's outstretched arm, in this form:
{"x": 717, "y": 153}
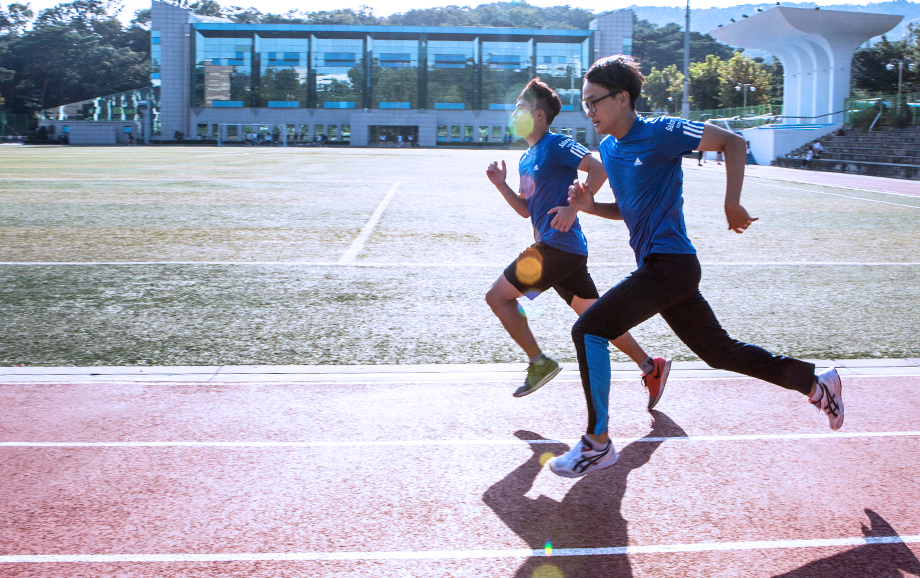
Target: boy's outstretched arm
{"x": 498, "y": 176}
{"x": 735, "y": 149}
{"x": 597, "y": 176}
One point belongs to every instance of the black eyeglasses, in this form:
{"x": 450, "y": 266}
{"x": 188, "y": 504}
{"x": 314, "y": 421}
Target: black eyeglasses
{"x": 590, "y": 106}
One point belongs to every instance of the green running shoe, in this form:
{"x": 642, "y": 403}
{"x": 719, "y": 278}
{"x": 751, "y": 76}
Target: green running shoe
{"x": 538, "y": 376}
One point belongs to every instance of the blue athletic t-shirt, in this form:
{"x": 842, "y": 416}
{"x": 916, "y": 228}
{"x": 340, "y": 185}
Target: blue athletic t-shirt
{"x": 644, "y": 170}
{"x": 547, "y": 169}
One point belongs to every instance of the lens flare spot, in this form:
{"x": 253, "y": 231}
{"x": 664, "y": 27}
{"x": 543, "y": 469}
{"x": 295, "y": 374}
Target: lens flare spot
{"x": 529, "y": 267}
{"x": 548, "y": 549}
{"x": 547, "y": 571}
{"x": 545, "y": 457}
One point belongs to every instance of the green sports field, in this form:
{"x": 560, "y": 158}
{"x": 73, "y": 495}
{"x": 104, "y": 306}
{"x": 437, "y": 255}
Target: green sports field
{"x": 227, "y": 256}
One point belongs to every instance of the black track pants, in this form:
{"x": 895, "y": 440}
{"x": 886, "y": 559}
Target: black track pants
{"x": 669, "y": 284}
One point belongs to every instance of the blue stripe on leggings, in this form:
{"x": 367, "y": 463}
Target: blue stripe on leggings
{"x": 598, "y": 357}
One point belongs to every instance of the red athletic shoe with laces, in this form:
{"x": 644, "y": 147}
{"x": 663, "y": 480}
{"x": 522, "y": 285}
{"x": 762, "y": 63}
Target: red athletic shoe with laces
{"x": 655, "y": 380}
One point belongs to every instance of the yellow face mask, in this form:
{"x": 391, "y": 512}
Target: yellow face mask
{"x": 522, "y": 120}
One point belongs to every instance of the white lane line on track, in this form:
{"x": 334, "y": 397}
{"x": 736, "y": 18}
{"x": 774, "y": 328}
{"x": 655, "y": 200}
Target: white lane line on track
{"x": 403, "y": 264}
{"x": 460, "y": 554}
{"x": 358, "y": 244}
{"x": 847, "y": 196}
{"x": 481, "y": 442}
{"x": 832, "y": 186}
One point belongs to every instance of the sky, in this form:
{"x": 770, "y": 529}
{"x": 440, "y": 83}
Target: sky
{"x": 388, "y": 7}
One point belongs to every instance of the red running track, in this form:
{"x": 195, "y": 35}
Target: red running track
{"x": 732, "y": 477}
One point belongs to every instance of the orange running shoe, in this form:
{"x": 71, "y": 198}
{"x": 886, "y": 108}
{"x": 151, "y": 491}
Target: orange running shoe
{"x": 655, "y": 380}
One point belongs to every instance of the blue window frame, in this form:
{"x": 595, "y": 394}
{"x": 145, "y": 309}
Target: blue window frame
{"x": 504, "y": 61}
{"x": 450, "y": 61}
{"x": 390, "y": 60}
{"x": 346, "y": 59}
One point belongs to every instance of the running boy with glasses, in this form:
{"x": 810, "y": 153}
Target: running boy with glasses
{"x": 642, "y": 157}
{"x": 559, "y": 257}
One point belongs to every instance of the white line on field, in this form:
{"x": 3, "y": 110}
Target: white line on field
{"x": 480, "y": 442}
{"x": 349, "y": 257}
{"x": 403, "y": 264}
{"x": 844, "y": 196}
{"x": 180, "y": 180}
{"x": 462, "y": 554}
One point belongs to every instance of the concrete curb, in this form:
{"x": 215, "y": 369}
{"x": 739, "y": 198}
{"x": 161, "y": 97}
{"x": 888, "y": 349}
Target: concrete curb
{"x": 396, "y": 373}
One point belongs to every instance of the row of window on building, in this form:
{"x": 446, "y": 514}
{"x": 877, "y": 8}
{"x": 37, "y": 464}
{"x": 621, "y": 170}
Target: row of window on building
{"x": 342, "y": 133}
{"x": 403, "y": 74}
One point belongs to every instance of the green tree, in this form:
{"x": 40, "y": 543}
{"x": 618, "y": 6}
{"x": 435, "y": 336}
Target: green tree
{"x": 72, "y": 52}
{"x": 661, "y": 46}
{"x": 15, "y": 18}
{"x": 739, "y": 70}
{"x": 664, "y": 88}
{"x": 870, "y": 74}
{"x": 705, "y": 83}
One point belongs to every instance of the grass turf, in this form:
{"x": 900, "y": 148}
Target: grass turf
{"x": 236, "y": 255}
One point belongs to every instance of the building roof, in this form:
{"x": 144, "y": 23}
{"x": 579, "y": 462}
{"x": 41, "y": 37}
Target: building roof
{"x": 489, "y": 34}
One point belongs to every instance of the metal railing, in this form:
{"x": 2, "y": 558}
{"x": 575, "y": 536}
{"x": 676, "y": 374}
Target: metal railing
{"x": 884, "y": 110}
{"x": 736, "y": 112}
{"x": 119, "y": 106}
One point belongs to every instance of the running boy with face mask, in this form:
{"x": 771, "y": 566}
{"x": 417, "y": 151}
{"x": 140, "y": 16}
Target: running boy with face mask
{"x": 558, "y": 259}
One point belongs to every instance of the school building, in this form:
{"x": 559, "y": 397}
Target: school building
{"x": 360, "y": 85}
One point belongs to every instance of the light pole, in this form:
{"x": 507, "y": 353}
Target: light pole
{"x": 573, "y": 61}
{"x": 744, "y": 87}
{"x": 900, "y": 65}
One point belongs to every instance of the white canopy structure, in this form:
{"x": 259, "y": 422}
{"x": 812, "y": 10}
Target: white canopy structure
{"x": 815, "y": 48}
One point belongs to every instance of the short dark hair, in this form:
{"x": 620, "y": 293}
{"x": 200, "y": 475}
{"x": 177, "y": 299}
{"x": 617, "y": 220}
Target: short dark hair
{"x": 540, "y": 96}
{"x": 618, "y": 73}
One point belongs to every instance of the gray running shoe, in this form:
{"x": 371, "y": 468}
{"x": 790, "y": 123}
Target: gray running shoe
{"x": 831, "y": 401}
{"x": 538, "y": 376}
{"x": 582, "y": 459}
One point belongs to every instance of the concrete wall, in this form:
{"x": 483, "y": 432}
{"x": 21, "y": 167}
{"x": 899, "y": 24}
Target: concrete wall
{"x": 172, "y": 23}
{"x": 815, "y": 48}
{"x": 611, "y": 31}
{"x": 772, "y": 141}
{"x": 360, "y": 120}
{"x": 94, "y": 132}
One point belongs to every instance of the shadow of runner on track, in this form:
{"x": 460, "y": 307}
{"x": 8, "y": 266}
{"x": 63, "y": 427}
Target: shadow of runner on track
{"x": 871, "y": 560}
{"x": 588, "y": 517}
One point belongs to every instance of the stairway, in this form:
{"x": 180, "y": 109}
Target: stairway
{"x": 885, "y": 152}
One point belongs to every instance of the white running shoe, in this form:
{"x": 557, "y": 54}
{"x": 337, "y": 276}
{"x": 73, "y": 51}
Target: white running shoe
{"x": 582, "y": 459}
{"x": 831, "y": 401}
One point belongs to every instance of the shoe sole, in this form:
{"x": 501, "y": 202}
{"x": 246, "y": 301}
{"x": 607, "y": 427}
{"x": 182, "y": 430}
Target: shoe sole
{"x": 540, "y": 384}
{"x": 587, "y": 471}
{"x": 664, "y": 380}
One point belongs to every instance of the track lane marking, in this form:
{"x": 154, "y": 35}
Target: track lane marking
{"x": 460, "y": 554}
{"x": 402, "y": 264}
{"x": 847, "y": 196}
{"x": 835, "y": 186}
{"x": 482, "y": 442}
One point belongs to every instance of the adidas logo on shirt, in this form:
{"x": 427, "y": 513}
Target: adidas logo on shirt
{"x": 536, "y": 167}
{"x": 638, "y": 162}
